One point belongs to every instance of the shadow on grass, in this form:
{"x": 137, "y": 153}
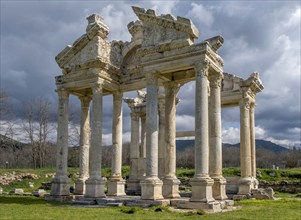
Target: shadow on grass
{"x": 28, "y": 200}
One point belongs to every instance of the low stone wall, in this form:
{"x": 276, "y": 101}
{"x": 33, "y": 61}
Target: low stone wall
{"x": 282, "y": 186}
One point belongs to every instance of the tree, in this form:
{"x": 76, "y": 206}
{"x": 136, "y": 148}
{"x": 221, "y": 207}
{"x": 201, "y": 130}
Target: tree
{"x": 38, "y": 128}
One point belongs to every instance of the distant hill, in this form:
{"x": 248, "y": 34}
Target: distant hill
{"x": 6, "y": 142}
{"x": 260, "y": 144}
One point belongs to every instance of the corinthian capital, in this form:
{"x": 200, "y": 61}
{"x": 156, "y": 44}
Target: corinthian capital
{"x": 85, "y": 101}
{"x": 62, "y": 93}
{"x": 201, "y": 68}
{"x": 152, "y": 79}
{"x": 215, "y": 80}
{"x": 97, "y": 86}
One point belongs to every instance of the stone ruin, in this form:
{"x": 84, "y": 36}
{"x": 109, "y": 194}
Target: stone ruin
{"x": 160, "y": 57}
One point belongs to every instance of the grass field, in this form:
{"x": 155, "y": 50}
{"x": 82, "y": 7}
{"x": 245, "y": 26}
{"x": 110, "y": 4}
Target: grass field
{"x": 28, "y": 207}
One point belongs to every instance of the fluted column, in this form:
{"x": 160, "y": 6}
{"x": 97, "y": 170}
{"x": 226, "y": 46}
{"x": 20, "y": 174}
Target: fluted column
{"x": 151, "y": 187}
{"x": 95, "y": 184}
{"x": 201, "y": 182}
{"x": 60, "y": 183}
{"x": 133, "y": 185}
{"x": 142, "y": 156}
{"x": 161, "y": 136}
{"x": 253, "y": 144}
{"x": 116, "y": 184}
{"x": 245, "y": 148}
{"x": 170, "y": 181}
{"x": 215, "y": 137}
{"x": 80, "y": 186}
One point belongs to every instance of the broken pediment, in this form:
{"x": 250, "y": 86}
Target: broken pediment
{"x": 164, "y": 28}
{"x": 91, "y": 48}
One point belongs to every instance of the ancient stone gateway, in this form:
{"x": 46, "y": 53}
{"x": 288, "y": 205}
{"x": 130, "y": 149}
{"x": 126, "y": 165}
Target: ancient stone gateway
{"x": 161, "y": 57}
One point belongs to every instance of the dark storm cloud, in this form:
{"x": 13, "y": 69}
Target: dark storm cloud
{"x": 259, "y": 36}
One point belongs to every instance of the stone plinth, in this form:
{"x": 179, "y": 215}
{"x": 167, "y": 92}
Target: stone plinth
{"x": 95, "y": 188}
{"x": 80, "y": 187}
{"x": 244, "y": 186}
{"x": 116, "y": 187}
{"x": 201, "y": 190}
{"x": 60, "y": 186}
{"x": 170, "y": 187}
{"x": 219, "y": 188}
{"x": 151, "y": 189}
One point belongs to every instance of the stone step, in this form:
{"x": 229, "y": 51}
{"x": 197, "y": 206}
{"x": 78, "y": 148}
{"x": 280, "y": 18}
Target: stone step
{"x": 117, "y": 204}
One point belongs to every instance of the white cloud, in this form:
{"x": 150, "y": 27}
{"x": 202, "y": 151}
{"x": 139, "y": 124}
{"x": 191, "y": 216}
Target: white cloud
{"x": 185, "y": 123}
{"x": 231, "y": 135}
{"x": 200, "y": 13}
{"x": 164, "y": 7}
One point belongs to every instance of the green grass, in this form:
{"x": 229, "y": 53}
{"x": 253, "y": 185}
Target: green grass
{"x": 25, "y": 207}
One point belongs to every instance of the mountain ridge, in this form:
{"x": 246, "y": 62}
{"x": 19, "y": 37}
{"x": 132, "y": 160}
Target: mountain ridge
{"x": 260, "y": 144}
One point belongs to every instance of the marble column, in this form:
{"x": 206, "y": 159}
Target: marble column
{"x": 215, "y": 137}
{"x": 60, "y": 183}
{"x": 151, "y": 187}
{"x": 201, "y": 182}
{"x": 116, "y": 186}
{"x": 170, "y": 182}
{"x": 253, "y": 145}
{"x": 80, "y": 186}
{"x": 245, "y": 181}
{"x": 95, "y": 184}
{"x": 161, "y": 135}
{"x": 142, "y": 151}
{"x": 133, "y": 183}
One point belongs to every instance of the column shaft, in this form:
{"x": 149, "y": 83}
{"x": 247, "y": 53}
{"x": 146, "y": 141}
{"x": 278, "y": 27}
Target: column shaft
{"x": 245, "y": 181}
{"x": 170, "y": 182}
{"x": 60, "y": 183}
{"x": 215, "y": 137}
{"x": 201, "y": 182}
{"x": 84, "y": 146}
{"x": 117, "y": 136}
{"x": 201, "y": 124}
{"x": 133, "y": 185}
{"x": 116, "y": 184}
{"x": 95, "y": 184}
{"x": 253, "y": 143}
{"x": 151, "y": 187}
{"x": 161, "y": 136}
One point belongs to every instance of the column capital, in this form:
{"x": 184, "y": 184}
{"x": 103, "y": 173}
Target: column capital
{"x": 97, "y": 86}
{"x": 117, "y": 95}
{"x": 245, "y": 103}
{"x": 63, "y": 93}
{"x": 172, "y": 85}
{"x": 152, "y": 78}
{"x": 202, "y": 68}
{"x": 134, "y": 116}
{"x": 85, "y": 101}
{"x": 215, "y": 80}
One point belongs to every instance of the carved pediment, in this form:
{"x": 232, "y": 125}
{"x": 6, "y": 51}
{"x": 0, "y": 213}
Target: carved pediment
{"x": 90, "y": 47}
{"x": 164, "y": 28}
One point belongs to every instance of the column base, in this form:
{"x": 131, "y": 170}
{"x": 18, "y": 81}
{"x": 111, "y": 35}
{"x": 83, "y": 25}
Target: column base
{"x": 201, "y": 189}
{"x": 219, "y": 188}
{"x": 255, "y": 183}
{"x": 245, "y": 186}
{"x": 60, "y": 186}
{"x": 170, "y": 187}
{"x": 151, "y": 188}
{"x": 80, "y": 186}
{"x": 116, "y": 187}
{"x": 133, "y": 185}
{"x": 95, "y": 188}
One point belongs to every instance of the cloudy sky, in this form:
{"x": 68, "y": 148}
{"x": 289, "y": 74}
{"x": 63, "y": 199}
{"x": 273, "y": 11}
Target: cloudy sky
{"x": 261, "y": 36}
